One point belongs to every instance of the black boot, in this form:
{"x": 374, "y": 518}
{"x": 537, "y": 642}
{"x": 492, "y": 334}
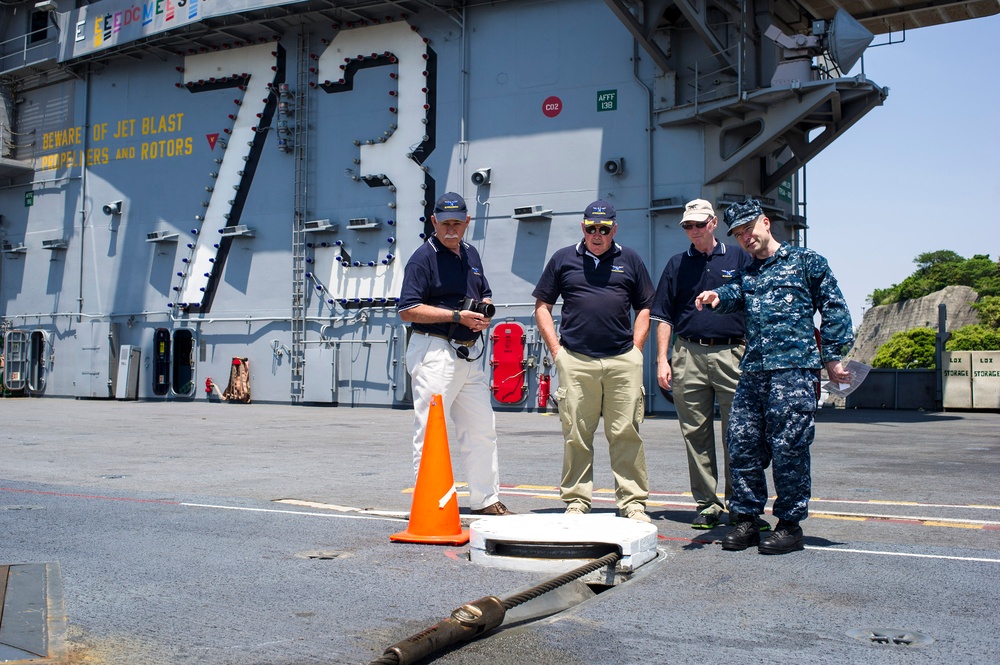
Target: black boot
{"x": 743, "y": 535}
{"x": 734, "y": 519}
{"x": 787, "y": 537}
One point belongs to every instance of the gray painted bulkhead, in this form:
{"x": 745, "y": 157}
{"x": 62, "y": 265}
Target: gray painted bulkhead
{"x": 133, "y": 129}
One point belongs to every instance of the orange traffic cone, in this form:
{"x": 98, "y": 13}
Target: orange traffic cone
{"x": 434, "y": 511}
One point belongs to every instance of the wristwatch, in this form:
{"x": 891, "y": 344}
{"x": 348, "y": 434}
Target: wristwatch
{"x": 456, "y": 316}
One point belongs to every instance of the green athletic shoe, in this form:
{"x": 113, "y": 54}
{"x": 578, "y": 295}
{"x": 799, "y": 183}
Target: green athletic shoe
{"x": 705, "y": 521}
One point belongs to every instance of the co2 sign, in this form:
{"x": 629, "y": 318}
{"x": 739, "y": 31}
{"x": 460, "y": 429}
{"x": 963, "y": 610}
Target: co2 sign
{"x": 552, "y": 106}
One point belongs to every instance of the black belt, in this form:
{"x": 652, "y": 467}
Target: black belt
{"x": 716, "y": 341}
{"x": 469, "y": 342}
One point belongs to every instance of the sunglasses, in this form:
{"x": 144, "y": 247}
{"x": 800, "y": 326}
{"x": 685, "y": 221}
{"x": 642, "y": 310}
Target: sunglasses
{"x": 591, "y": 229}
{"x": 700, "y": 225}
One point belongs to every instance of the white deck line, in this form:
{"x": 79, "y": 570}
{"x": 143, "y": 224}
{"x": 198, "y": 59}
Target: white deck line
{"x": 370, "y": 516}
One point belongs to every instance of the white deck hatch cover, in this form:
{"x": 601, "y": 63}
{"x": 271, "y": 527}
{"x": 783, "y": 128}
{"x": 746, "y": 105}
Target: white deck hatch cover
{"x": 635, "y": 540}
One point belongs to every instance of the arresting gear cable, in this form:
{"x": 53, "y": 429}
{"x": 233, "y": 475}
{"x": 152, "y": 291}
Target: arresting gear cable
{"x": 478, "y": 618}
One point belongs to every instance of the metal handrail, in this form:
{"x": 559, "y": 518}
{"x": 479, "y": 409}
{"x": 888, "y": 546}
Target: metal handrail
{"x": 30, "y": 41}
{"x": 824, "y": 68}
{"x": 717, "y": 91}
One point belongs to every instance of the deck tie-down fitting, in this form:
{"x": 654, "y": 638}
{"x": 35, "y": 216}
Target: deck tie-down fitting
{"x": 478, "y": 618}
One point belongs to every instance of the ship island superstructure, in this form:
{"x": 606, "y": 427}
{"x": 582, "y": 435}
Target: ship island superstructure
{"x": 185, "y": 184}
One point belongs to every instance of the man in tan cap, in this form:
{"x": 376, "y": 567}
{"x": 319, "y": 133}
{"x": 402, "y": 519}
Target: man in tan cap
{"x": 707, "y": 349}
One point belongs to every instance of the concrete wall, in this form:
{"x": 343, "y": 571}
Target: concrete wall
{"x": 881, "y": 323}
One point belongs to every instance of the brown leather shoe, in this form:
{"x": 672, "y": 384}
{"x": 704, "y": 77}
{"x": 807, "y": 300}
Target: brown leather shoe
{"x": 494, "y": 509}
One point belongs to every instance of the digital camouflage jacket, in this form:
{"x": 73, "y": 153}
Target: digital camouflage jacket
{"x": 779, "y": 296}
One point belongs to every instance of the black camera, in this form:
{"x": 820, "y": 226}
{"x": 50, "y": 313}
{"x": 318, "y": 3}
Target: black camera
{"x": 479, "y": 307}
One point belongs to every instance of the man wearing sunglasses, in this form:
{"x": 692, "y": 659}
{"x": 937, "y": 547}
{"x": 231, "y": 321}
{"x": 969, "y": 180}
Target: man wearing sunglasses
{"x": 598, "y": 357}
{"x": 773, "y": 417}
{"x": 706, "y": 352}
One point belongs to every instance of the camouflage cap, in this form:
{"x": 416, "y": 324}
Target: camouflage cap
{"x": 739, "y": 214}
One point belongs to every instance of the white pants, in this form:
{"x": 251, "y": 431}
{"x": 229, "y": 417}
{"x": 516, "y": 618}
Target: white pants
{"x": 436, "y": 370}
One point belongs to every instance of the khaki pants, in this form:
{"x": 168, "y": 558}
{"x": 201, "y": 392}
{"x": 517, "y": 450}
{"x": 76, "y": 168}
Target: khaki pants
{"x": 702, "y": 375}
{"x": 589, "y": 388}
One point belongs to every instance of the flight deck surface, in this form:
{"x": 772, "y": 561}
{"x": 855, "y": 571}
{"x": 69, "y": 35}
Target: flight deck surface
{"x": 233, "y": 534}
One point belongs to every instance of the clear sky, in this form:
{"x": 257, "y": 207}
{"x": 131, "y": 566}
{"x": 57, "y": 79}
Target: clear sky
{"x": 919, "y": 173}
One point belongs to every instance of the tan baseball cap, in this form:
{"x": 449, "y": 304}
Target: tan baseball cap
{"x": 698, "y": 210}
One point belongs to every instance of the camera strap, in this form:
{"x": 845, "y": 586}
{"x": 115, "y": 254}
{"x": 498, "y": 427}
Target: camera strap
{"x": 463, "y": 351}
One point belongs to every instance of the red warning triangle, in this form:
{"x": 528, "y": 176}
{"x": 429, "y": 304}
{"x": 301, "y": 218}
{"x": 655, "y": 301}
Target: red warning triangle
{"x": 212, "y": 138}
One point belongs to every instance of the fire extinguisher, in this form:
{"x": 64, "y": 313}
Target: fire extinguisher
{"x": 544, "y": 385}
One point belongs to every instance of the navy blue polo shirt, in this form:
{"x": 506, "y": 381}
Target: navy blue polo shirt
{"x": 599, "y": 294}
{"x": 685, "y": 276}
{"x": 437, "y": 276}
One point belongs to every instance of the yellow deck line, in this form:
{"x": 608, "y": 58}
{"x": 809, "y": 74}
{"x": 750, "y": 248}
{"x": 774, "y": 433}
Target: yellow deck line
{"x": 880, "y": 502}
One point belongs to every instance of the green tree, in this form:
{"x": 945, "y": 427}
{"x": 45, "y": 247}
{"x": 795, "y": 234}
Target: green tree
{"x": 928, "y": 259}
{"x": 910, "y": 349}
{"x": 973, "y": 338}
{"x": 982, "y": 337}
{"x": 884, "y": 296}
{"x": 988, "y": 310}
{"x": 988, "y": 286}
{"x": 936, "y": 270}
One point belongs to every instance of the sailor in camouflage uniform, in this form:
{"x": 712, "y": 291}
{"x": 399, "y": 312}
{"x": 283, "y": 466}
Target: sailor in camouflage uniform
{"x": 772, "y": 418}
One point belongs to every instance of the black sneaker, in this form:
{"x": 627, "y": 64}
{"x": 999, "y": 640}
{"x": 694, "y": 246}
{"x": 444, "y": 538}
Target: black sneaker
{"x": 787, "y": 537}
{"x": 745, "y": 534}
{"x": 705, "y": 521}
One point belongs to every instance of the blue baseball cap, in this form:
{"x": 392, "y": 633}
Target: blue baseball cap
{"x": 599, "y": 212}
{"x": 742, "y": 213}
{"x": 450, "y": 206}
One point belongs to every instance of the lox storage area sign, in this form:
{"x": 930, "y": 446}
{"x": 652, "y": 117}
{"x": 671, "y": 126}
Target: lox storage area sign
{"x": 971, "y": 380}
{"x": 985, "y": 380}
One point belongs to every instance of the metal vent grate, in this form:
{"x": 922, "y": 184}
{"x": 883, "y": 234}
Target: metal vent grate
{"x": 890, "y": 636}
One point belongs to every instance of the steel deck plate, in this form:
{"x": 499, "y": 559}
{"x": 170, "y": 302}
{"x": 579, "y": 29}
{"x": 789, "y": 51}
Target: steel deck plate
{"x": 31, "y": 616}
